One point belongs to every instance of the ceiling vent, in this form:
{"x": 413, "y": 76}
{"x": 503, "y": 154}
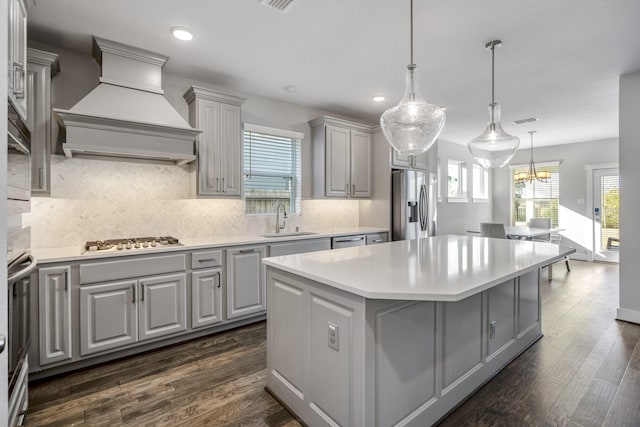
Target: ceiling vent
{"x": 523, "y": 121}
{"x": 281, "y": 5}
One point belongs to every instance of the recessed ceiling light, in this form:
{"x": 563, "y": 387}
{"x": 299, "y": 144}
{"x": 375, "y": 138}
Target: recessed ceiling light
{"x": 378, "y": 98}
{"x": 182, "y": 33}
{"x": 527, "y": 120}
{"x": 291, "y": 88}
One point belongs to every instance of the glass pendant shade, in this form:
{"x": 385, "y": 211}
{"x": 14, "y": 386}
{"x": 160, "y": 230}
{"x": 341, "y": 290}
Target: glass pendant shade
{"x": 494, "y": 148}
{"x": 412, "y": 126}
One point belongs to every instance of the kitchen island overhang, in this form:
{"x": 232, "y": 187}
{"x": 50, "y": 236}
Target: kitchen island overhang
{"x": 399, "y": 333}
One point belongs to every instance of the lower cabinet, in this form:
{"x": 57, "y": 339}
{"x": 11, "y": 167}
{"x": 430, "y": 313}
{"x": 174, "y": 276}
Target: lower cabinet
{"x": 108, "y": 316}
{"x": 206, "y": 297}
{"x": 54, "y": 325}
{"x": 246, "y": 289}
{"x": 117, "y": 314}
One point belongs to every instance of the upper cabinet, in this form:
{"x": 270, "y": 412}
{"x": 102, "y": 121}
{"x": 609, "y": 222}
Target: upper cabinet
{"x": 403, "y": 161}
{"x": 41, "y": 67}
{"x": 17, "y": 61}
{"x": 219, "y": 146}
{"x": 341, "y": 158}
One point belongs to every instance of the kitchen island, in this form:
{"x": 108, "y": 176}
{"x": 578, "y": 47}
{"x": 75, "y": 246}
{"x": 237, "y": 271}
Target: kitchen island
{"x": 399, "y": 333}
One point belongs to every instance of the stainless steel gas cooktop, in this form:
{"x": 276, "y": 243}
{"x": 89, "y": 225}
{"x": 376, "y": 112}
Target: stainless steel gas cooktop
{"x": 130, "y": 244}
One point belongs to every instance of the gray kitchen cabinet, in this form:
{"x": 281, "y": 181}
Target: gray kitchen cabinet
{"x": 117, "y": 314}
{"x": 341, "y": 158}
{"x": 162, "y": 305}
{"x": 375, "y": 238}
{"x": 108, "y": 316}
{"x": 54, "y": 308}
{"x": 219, "y": 146}
{"x": 299, "y": 246}
{"x": 402, "y": 161}
{"x": 17, "y": 60}
{"x": 41, "y": 67}
{"x": 206, "y": 297}
{"x": 501, "y": 309}
{"x": 246, "y": 292}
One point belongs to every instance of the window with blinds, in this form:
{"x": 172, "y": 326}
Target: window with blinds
{"x": 272, "y": 169}
{"x": 535, "y": 199}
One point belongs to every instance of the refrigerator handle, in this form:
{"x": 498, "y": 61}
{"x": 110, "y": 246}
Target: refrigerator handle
{"x": 423, "y": 208}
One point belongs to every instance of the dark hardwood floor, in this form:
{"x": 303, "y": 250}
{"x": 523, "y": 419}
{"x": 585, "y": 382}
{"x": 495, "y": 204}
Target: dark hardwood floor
{"x": 585, "y": 371}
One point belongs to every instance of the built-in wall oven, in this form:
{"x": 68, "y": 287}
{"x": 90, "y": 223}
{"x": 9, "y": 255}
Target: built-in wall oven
{"x": 20, "y": 263}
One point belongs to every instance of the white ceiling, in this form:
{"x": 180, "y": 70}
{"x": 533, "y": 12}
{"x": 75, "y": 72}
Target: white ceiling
{"x": 560, "y": 59}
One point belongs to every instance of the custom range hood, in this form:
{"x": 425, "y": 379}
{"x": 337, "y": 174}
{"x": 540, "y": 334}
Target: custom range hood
{"x": 126, "y": 115}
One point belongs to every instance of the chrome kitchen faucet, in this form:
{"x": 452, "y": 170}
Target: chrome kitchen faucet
{"x": 284, "y": 210}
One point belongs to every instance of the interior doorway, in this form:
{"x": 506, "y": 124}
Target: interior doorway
{"x": 606, "y": 219}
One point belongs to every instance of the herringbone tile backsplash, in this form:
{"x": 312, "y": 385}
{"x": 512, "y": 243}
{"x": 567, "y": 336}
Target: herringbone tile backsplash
{"x": 100, "y": 199}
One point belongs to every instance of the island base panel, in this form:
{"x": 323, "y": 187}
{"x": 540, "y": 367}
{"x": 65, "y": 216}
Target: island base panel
{"x": 397, "y": 362}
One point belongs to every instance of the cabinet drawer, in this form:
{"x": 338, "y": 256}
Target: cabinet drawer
{"x": 132, "y": 267}
{"x": 372, "y": 239}
{"x": 206, "y": 259}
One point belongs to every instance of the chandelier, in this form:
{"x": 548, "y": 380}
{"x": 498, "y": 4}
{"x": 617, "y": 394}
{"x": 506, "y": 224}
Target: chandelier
{"x": 412, "y": 126}
{"x": 542, "y": 176}
{"x": 494, "y": 147}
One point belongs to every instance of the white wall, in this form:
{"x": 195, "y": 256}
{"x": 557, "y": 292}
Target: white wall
{"x": 630, "y": 198}
{"x": 457, "y": 218}
{"x": 574, "y": 214}
{"x": 101, "y": 199}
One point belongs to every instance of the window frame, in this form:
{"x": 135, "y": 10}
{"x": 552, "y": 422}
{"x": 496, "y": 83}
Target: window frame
{"x": 484, "y": 182}
{"x": 463, "y": 187}
{"x": 295, "y": 205}
{"x": 539, "y": 166}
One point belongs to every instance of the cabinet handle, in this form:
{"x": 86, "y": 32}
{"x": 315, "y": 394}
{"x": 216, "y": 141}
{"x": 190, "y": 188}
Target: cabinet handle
{"x": 377, "y": 241}
{"x": 142, "y": 296}
{"x": 346, "y": 189}
{"x": 66, "y": 280}
{"x": 133, "y": 300}
{"x": 217, "y": 185}
{"x": 224, "y": 187}
{"x": 40, "y": 183}
{"x": 353, "y": 190}
{"x": 219, "y": 278}
{"x": 246, "y": 251}
{"x": 18, "y": 83}
{"x": 207, "y": 260}
{"x": 355, "y": 239}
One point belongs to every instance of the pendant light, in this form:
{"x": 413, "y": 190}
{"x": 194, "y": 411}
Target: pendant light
{"x": 542, "y": 176}
{"x": 494, "y": 147}
{"x": 412, "y": 126}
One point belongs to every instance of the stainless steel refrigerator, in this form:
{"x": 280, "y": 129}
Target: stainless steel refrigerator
{"x": 414, "y": 204}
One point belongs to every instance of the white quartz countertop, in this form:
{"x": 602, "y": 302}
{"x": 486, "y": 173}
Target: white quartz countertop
{"x": 77, "y": 252}
{"x": 441, "y": 268}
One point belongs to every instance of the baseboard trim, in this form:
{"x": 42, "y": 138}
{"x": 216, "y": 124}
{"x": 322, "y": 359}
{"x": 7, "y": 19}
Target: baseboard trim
{"x": 627, "y": 315}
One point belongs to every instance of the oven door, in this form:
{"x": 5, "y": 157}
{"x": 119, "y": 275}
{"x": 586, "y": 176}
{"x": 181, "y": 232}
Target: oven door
{"x": 19, "y": 285}
{"x": 18, "y": 162}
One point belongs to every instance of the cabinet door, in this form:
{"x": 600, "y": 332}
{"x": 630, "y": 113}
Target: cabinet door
{"x": 206, "y": 297}
{"x": 162, "y": 305}
{"x": 40, "y": 67}
{"x": 360, "y": 164}
{"x": 107, "y": 316}
{"x": 17, "y": 64}
{"x": 246, "y": 292}
{"x": 208, "y": 120}
{"x": 404, "y": 162}
{"x": 230, "y": 151}
{"x": 54, "y": 302}
{"x": 337, "y": 162}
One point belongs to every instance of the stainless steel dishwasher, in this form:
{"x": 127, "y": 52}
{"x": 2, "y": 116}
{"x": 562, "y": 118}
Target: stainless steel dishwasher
{"x": 348, "y": 241}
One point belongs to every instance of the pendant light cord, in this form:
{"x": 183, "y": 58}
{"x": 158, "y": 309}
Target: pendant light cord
{"x": 493, "y": 74}
{"x": 411, "y": 30}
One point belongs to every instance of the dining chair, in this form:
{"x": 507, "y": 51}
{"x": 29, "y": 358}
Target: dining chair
{"x": 495, "y": 230}
{"x": 556, "y": 238}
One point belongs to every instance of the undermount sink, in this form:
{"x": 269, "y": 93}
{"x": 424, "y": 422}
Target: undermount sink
{"x": 288, "y": 234}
